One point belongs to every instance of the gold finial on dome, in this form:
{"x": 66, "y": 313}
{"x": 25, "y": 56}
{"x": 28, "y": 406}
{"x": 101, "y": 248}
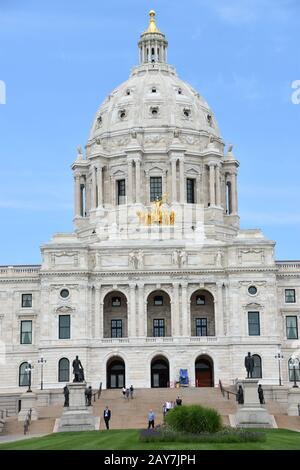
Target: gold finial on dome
{"x": 152, "y": 26}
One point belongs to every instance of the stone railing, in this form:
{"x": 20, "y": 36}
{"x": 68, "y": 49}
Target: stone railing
{"x": 288, "y": 266}
{"x": 20, "y": 271}
{"x": 203, "y": 339}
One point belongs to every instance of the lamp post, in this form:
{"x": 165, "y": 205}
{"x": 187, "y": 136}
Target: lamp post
{"x": 295, "y": 363}
{"x": 28, "y": 370}
{"x": 279, "y": 356}
{"x": 42, "y": 361}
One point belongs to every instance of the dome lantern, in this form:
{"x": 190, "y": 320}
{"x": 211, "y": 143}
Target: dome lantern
{"x": 153, "y": 44}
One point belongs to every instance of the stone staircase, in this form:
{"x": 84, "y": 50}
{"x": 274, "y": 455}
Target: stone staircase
{"x": 133, "y": 413}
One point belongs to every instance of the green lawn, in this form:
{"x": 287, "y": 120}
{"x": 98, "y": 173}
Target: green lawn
{"x": 277, "y": 439}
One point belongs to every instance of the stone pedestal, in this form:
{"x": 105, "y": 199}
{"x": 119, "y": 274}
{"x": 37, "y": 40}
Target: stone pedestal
{"x": 78, "y": 416}
{"x": 293, "y": 401}
{"x": 28, "y": 400}
{"x": 252, "y": 414}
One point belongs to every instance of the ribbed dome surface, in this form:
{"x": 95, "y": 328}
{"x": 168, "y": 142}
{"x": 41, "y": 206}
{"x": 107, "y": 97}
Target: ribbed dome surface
{"x": 153, "y": 97}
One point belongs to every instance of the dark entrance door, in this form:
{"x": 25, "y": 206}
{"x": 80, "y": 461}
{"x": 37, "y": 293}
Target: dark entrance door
{"x": 116, "y": 374}
{"x": 160, "y": 376}
{"x": 204, "y": 372}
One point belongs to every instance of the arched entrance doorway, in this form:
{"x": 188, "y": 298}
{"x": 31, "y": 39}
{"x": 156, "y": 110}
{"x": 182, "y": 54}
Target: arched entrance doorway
{"x": 115, "y": 373}
{"x": 204, "y": 371}
{"x": 160, "y": 373}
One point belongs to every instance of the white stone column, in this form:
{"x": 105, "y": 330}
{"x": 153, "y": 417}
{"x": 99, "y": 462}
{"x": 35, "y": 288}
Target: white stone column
{"x": 141, "y": 310}
{"x": 137, "y": 180}
{"x": 175, "y": 317}
{"x": 234, "y": 193}
{"x": 147, "y": 187}
{"x": 94, "y": 189}
{"x": 219, "y": 311}
{"x": 77, "y": 195}
{"x": 174, "y": 188}
{"x": 129, "y": 181}
{"x": 132, "y": 312}
{"x": 100, "y": 185}
{"x": 182, "y": 180}
{"x": 164, "y": 179}
{"x": 87, "y": 195}
{"x": 218, "y": 186}
{"x": 185, "y": 310}
{"x": 101, "y": 321}
{"x": 212, "y": 184}
{"x": 198, "y": 189}
{"x": 98, "y": 313}
{"x": 112, "y": 190}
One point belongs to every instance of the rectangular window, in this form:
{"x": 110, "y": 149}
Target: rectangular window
{"x": 121, "y": 188}
{"x": 190, "y": 191}
{"x": 64, "y": 327}
{"x": 158, "y": 327}
{"x": 291, "y": 327}
{"x": 26, "y": 332}
{"x": 158, "y": 300}
{"x": 201, "y": 326}
{"x": 116, "y": 302}
{"x": 200, "y": 300}
{"x": 290, "y": 296}
{"x": 253, "y": 324}
{"x": 116, "y": 328}
{"x": 26, "y": 300}
{"x": 155, "y": 188}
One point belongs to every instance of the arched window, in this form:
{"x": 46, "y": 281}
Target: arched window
{"x": 294, "y": 372}
{"x": 257, "y": 371}
{"x": 64, "y": 370}
{"x": 228, "y": 198}
{"x": 23, "y": 375}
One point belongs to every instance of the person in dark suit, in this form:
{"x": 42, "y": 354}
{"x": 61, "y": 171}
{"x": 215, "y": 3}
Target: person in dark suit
{"x": 107, "y": 416}
{"x": 249, "y": 365}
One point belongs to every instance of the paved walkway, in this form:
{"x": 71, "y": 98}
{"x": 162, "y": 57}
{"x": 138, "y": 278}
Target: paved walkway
{"x": 18, "y": 437}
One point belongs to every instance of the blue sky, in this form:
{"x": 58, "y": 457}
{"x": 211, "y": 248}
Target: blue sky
{"x": 60, "y": 59}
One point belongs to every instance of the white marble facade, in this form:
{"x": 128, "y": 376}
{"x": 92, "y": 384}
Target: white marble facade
{"x": 153, "y": 135}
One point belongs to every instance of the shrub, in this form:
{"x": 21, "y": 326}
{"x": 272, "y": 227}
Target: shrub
{"x": 227, "y": 435}
{"x": 194, "y": 419}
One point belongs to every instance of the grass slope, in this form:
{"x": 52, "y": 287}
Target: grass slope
{"x": 277, "y": 439}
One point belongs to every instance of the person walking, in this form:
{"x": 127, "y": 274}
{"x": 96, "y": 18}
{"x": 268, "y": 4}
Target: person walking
{"x": 151, "y": 418}
{"x": 131, "y": 391}
{"x": 107, "y": 416}
{"x": 124, "y": 392}
{"x": 127, "y": 393}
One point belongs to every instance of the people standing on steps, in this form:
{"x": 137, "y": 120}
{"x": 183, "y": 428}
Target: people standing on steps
{"x": 107, "y": 416}
{"x": 151, "y": 419}
{"x": 178, "y": 401}
{"x": 261, "y": 395}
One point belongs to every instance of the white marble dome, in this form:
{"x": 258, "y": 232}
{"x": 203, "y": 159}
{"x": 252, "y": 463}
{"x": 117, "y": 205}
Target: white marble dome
{"x": 153, "y": 96}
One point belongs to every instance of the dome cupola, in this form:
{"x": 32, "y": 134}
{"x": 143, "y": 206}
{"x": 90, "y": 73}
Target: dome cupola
{"x": 153, "y": 44}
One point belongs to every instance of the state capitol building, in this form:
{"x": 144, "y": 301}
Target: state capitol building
{"x": 157, "y": 276}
